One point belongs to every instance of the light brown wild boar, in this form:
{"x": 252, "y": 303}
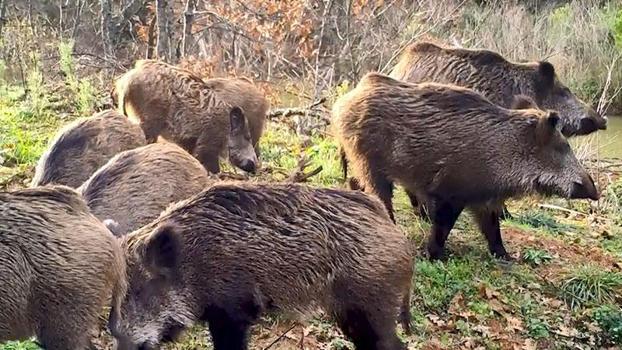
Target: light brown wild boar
{"x": 135, "y": 186}
{"x": 59, "y": 266}
{"x": 175, "y": 104}
{"x": 85, "y": 145}
{"x": 499, "y": 80}
{"x": 235, "y": 251}
{"x": 455, "y": 149}
{"x": 243, "y": 93}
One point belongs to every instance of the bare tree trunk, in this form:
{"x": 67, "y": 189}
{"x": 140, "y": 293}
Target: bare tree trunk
{"x": 188, "y": 20}
{"x": 163, "y": 47}
{"x": 78, "y": 17}
{"x": 151, "y": 38}
{"x": 60, "y": 21}
{"x": 2, "y": 13}
{"x": 106, "y": 20}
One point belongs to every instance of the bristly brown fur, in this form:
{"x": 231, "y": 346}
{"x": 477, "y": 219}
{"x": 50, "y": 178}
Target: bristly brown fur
{"x": 173, "y": 103}
{"x": 452, "y": 148}
{"x": 499, "y": 80}
{"x": 83, "y": 146}
{"x": 243, "y": 93}
{"x": 135, "y": 186}
{"x": 249, "y": 248}
{"x": 59, "y": 266}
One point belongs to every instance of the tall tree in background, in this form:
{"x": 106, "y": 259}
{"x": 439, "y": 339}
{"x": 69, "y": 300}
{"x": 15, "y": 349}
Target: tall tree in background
{"x": 106, "y": 20}
{"x": 2, "y": 13}
{"x": 163, "y": 14}
{"x": 188, "y": 19}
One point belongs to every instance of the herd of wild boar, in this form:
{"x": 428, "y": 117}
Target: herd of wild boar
{"x": 147, "y": 231}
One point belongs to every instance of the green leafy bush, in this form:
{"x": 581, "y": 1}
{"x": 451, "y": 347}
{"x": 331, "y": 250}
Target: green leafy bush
{"x": 609, "y": 319}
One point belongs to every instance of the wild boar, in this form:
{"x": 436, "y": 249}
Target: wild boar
{"x": 243, "y": 93}
{"x": 235, "y": 251}
{"x": 175, "y": 104}
{"x": 135, "y": 186}
{"x": 85, "y": 145}
{"x": 59, "y": 266}
{"x": 454, "y": 149}
{"x": 499, "y": 80}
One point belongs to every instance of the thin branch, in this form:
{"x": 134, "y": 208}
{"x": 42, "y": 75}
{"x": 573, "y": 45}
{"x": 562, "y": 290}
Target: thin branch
{"x": 280, "y": 337}
{"x": 308, "y": 111}
{"x": 327, "y": 7}
{"x": 299, "y": 175}
{"x": 398, "y": 52}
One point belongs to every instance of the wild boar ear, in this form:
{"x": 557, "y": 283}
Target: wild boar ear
{"x": 237, "y": 119}
{"x": 523, "y": 102}
{"x": 547, "y": 72}
{"x": 547, "y": 127}
{"x": 163, "y": 251}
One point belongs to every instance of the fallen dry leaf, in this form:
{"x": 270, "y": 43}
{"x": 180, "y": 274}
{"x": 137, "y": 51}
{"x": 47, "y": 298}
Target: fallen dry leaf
{"x": 565, "y": 331}
{"x": 529, "y": 345}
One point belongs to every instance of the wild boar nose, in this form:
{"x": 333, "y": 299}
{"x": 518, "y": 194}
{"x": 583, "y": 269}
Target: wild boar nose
{"x": 585, "y": 189}
{"x": 248, "y": 166}
{"x": 599, "y": 120}
{"x": 588, "y": 125}
{"x": 124, "y": 344}
{"x": 145, "y": 346}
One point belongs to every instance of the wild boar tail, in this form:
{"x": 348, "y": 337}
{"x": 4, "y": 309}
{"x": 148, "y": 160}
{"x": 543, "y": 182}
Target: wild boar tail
{"x": 405, "y": 316}
{"x": 120, "y": 283}
{"x": 344, "y": 163}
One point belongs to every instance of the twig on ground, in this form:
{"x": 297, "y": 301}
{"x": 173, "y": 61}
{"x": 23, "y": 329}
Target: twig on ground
{"x": 558, "y": 208}
{"x": 299, "y": 175}
{"x": 231, "y": 176}
{"x": 280, "y": 337}
{"x": 293, "y": 111}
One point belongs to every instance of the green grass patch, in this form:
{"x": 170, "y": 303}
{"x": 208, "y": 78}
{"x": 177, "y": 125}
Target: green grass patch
{"x": 590, "y": 285}
{"x": 436, "y": 283}
{"x": 16, "y": 345}
{"x": 536, "y": 257}
{"x": 542, "y": 220}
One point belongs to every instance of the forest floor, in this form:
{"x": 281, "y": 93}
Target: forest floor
{"x": 563, "y": 292}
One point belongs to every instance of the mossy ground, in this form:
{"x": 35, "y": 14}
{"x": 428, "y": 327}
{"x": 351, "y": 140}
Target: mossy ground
{"x": 564, "y": 290}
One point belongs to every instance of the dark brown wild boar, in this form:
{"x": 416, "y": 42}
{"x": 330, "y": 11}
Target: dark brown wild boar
{"x": 499, "y": 80}
{"x": 59, "y": 266}
{"x": 175, "y": 104}
{"x": 455, "y": 149}
{"x": 85, "y": 145}
{"x": 235, "y": 251}
{"x": 135, "y": 186}
{"x": 243, "y": 93}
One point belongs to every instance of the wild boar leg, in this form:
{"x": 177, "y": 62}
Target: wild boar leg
{"x": 151, "y": 130}
{"x": 52, "y": 339}
{"x": 383, "y": 188}
{"x": 488, "y": 220}
{"x": 505, "y": 214}
{"x": 366, "y": 332}
{"x": 444, "y": 216}
{"x": 419, "y": 207}
{"x": 208, "y": 157}
{"x": 257, "y": 150}
{"x": 229, "y": 329}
